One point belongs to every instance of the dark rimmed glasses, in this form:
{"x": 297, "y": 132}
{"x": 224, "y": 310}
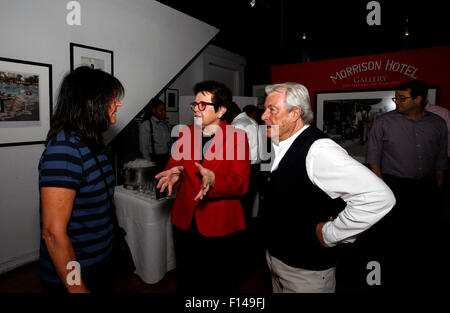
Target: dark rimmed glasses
{"x": 401, "y": 99}
{"x": 201, "y": 105}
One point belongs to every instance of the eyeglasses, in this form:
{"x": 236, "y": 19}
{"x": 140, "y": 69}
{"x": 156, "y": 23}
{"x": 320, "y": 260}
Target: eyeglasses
{"x": 201, "y": 105}
{"x": 401, "y": 99}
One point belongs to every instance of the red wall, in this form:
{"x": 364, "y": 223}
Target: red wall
{"x": 378, "y": 71}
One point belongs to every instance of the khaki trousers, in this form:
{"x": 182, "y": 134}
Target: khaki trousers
{"x": 288, "y": 279}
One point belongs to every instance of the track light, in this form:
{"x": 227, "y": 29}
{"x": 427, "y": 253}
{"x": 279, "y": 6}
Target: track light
{"x": 406, "y": 28}
{"x": 252, "y": 3}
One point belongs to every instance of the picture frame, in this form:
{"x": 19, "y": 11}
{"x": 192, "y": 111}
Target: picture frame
{"x": 25, "y": 102}
{"x": 347, "y": 116}
{"x": 91, "y": 56}
{"x": 171, "y": 100}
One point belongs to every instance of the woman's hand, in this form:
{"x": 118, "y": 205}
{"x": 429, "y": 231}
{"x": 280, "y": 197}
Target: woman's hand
{"x": 169, "y": 178}
{"x": 208, "y": 179}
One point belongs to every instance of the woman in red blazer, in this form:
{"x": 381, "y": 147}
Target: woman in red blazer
{"x": 210, "y": 165}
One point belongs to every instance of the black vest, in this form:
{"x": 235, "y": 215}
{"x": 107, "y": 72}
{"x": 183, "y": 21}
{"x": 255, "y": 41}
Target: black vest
{"x": 292, "y": 207}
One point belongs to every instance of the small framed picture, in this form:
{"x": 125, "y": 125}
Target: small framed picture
{"x": 25, "y": 102}
{"x": 171, "y": 100}
{"x": 91, "y": 56}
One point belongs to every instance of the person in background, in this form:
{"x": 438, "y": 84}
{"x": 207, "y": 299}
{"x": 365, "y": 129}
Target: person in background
{"x": 252, "y": 112}
{"x": 445, "y": 204}
{"x": 210, "y": 166}
{"x": 444, "y": 114}
{"x": 315, "y": 196}
{"x": 76, "y": 221}
{"x": 241, "y": 120}
{"x": 154, "y": 134}
{"x": 407, "y": 148}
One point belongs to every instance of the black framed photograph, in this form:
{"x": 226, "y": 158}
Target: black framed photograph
{"x": 347, "y": 116}
{"x": 25, "y": 102}
{"x": 91, "y": 56}
{"x": 171, "y": 100}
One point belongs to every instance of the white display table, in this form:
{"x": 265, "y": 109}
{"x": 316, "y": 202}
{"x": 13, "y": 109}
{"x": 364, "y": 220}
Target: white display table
{"x": 149, "y": 232}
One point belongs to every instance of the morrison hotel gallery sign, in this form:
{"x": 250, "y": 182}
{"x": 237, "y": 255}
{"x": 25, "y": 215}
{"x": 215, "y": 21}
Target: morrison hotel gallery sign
{"x": 378, "y": 71}
{"x": 354, "y": 70}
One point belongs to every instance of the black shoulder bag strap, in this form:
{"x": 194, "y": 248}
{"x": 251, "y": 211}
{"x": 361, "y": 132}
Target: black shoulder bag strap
{"x": 110, "y": 197}
{"x": 122, "y": 257}
{"x": 152, "y": 143}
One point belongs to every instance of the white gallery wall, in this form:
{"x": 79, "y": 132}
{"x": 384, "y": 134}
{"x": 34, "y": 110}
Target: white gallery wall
{"x": 151, "y": 44}
{"x": 213, "y": 63}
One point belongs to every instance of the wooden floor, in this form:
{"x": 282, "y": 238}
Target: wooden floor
{"x": 254, "y": 277}
{"x": 25, "y": 280}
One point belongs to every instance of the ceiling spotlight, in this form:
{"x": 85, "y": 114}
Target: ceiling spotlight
{"x": 406, "y": 27}
{"x": 252, "y": 3}
{"x": 406, "y": 31}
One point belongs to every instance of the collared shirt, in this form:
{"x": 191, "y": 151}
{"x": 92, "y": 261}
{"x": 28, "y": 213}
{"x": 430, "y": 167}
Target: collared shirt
{"x": 406, "y": 148}
{"x": 250, "y": 126}
{"x": 330, "y": 168}
{"x": 161, "y": 135}
{"x": 445, "y": 114}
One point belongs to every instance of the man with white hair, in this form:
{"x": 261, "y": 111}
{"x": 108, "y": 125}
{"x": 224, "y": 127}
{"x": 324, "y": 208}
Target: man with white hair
{"x": 315, "y": 196}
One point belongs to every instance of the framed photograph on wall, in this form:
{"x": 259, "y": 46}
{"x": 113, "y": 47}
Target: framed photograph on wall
{"x": 171, "y": 100}
{"x": 347, "y": 116}
{"x": 91, "y": 56}
{"x": 25, "y": 102}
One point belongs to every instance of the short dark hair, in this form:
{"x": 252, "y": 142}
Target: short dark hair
{"x": 249, "y": 109}
{"x": 82, "y": 106}
{"x": 152, "y": 104}
{"x": 232, "y": 111}
{"x": 221, "y": 94}
{"x": 418, "y": 88}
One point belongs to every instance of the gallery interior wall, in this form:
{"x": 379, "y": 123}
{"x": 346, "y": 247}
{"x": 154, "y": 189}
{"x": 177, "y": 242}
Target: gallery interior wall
{"x": 378, "y": 71}
{"x": 201, "y": 68}
{"x": 151, "y": 44}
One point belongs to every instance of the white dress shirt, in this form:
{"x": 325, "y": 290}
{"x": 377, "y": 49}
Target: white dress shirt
{"x": 161, "y": 135}
{"x": 250, "y": 126}
{"x": 330, "y": 168}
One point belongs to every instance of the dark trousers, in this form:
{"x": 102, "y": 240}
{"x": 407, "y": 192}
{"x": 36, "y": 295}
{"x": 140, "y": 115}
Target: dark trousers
{"x": 207, "y": 265}
{"x": 98, "y": 280}
{"x": 406, "y": 242}
{"x": 248, "y": 199}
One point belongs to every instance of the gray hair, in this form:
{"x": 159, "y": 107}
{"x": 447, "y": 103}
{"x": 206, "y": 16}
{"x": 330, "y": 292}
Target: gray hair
{"x": 296, "y": 96}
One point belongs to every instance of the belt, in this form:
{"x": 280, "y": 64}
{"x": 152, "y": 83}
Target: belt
{"x": 427, "y": 179}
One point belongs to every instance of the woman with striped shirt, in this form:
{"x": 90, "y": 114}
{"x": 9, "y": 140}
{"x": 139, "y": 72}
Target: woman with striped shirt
{"x": 76, "y": 184}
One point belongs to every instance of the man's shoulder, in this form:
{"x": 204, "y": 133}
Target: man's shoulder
{"x": 389, "y": 114}
{"x": 436, "y": 119}
{"x": 387, "y": 117}
{"x": 144, "y": 124}
{"x": 439, "y": 110}
{"x": 243, "y": 123}
{"x": 432, "y": 115}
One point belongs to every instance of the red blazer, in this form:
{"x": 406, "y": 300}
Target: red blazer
{"x": 220, "y": 212}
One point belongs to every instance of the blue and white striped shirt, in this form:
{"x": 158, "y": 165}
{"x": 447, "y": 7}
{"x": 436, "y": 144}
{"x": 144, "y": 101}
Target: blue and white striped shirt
{"x": 69, "y": 163}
